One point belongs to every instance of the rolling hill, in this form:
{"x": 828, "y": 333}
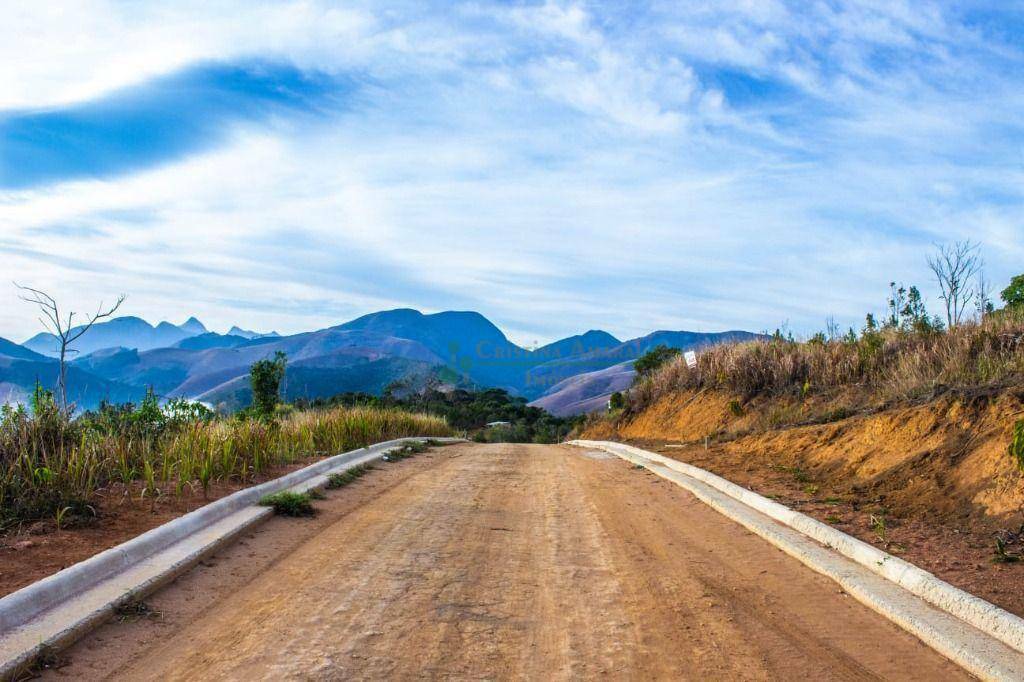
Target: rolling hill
{"x": 126, "y": 355}
{"x": 21, "y": 368}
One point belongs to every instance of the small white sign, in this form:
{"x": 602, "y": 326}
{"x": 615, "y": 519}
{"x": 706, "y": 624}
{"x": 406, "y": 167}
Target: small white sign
{"x": 691, "y": 359}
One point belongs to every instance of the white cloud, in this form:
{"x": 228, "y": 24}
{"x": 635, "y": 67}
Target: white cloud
{"x": 552, "y": 165}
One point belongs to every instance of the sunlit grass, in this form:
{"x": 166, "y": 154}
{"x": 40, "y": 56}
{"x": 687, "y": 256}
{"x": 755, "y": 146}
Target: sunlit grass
{"x": 47, "y": 465}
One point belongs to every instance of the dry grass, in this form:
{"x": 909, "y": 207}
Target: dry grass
{"x": 887, "y": 364}
{"x": 51, "y": 467}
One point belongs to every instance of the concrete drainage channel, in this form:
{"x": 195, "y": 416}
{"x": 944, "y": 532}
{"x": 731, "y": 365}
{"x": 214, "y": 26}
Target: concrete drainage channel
{"x": 54, "y": 612}
{"x": 977, "y": 635}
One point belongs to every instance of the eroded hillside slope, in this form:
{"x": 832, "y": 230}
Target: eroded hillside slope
{"x": 930, "y": 480}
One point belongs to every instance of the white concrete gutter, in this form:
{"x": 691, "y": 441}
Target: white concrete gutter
{"x": 55, "y": 611}
{"x": 979, "y": 636}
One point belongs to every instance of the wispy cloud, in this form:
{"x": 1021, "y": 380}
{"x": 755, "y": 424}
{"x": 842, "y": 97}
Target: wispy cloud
{"x": 157, "y": 121}
{"x": 558, "y": 166}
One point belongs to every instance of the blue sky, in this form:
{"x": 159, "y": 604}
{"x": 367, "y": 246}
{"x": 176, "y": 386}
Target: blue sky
{"x": 557, "y": 166}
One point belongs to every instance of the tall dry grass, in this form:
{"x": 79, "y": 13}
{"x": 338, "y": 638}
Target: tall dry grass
{"x": 885, "y": 364}
{"x": 50, "y": 467}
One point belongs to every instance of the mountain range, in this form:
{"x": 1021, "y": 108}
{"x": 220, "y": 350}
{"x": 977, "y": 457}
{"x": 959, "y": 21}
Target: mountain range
{"x": 119, "y": 359}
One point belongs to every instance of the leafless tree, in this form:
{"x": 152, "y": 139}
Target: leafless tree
{"x": 982, "y": 295}
{"x": 61, "y": 326}
{"x": 954, "y": 266}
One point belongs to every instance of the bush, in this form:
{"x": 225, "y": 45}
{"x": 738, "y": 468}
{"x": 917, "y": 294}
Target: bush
{"x": 650, "y": 361}
{"x": 616, "y": 401}
{"x": 471, "y": 411}
{"x": 343, "y": 478}
{"x": 288, "y": 503}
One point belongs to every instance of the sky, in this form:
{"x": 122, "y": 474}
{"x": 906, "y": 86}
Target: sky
{"x": 556, "y": 166}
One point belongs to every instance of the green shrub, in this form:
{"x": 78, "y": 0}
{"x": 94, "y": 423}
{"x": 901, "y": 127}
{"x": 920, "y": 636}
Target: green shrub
{"x": 288, "y": 503}
{"x": 650, "y": 361}
{"x": 343, "y": 478}
{"x": 735, "y": 408}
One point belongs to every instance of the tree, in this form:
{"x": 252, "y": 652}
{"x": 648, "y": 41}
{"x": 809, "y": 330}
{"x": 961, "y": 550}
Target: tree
{"x": 265, "y": 377}
{"x": 954, "y": 266}
{"x": 654, "y": 358}
{"x": 897, "y": 305}
{"x": 616, "y": 401}
{"x": 1013, "y": 295}
{"x": 61, "y": 327}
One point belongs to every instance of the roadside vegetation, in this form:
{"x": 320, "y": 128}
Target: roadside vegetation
{"x": 53, "y": 464}
{"x": 469, "y": 411}
{"x": 907, "y": 354}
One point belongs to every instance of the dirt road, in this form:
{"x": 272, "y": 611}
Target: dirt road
{"x": 536, "y": 562}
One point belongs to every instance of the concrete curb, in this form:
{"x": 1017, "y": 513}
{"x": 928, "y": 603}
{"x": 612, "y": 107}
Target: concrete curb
{"x": 993, "y": 650}
{"x": 57, "y": 610}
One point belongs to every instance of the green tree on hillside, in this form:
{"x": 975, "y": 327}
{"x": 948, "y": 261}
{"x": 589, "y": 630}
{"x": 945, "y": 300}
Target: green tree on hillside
{"x": 1013, "y": 295}
{"x": 617, "y": 401}
{"x": 653, "y": 359}
{"x": 266, "y": 376}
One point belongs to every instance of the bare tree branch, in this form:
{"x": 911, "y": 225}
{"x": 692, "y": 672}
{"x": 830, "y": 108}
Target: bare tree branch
{"x": 64, "y": 332}
{"x": 954, "y": 265}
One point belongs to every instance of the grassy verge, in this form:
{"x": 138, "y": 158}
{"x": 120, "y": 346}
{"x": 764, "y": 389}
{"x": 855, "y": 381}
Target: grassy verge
{"x": 880, "y": 363}
{"x": 51, "y": 468}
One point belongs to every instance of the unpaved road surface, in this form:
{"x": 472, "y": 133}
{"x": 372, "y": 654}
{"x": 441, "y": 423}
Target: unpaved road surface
{"x": 518, "y": 561}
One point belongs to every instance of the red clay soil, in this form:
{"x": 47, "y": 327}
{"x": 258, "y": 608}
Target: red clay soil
{"x": 962, "y": 554}
{"x": 931, "y": 482}
{"x": 37, "y": 550}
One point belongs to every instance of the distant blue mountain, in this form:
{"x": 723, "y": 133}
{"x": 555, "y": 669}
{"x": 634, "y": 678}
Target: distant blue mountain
{"x": 211, "y": 340}
{"x": 127, "y": 355}
{"x": 545, "y": 376}
{"x": 21, "y": 368}
{"x": 248, "y": 334}
{"x": 128, "y": 332}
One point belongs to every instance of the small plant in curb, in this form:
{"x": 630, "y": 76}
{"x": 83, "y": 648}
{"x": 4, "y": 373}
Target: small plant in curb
{"x": 878, "y": 526}
{"x": 833, "y": 519}
{"x": 46, "y": 659}
{"x": 288, "y": 503}
{"x": 316, "y": 494}
{"x": 135, "y": 609}
{"x": 407, "y": 450}
{"x": 342, "y": 479}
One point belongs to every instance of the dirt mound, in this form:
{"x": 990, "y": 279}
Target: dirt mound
{"x": 943, "y": 458}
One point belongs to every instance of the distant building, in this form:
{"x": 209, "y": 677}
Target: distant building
{"x": 491, "y": 425}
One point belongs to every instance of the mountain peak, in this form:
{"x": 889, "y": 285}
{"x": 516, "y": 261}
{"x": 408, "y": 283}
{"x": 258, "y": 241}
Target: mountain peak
{"x": 193, "y": 326}
{"x": 250, "y": 334}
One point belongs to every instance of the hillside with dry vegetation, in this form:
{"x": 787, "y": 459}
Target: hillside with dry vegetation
{"x": 909, "y": 438}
